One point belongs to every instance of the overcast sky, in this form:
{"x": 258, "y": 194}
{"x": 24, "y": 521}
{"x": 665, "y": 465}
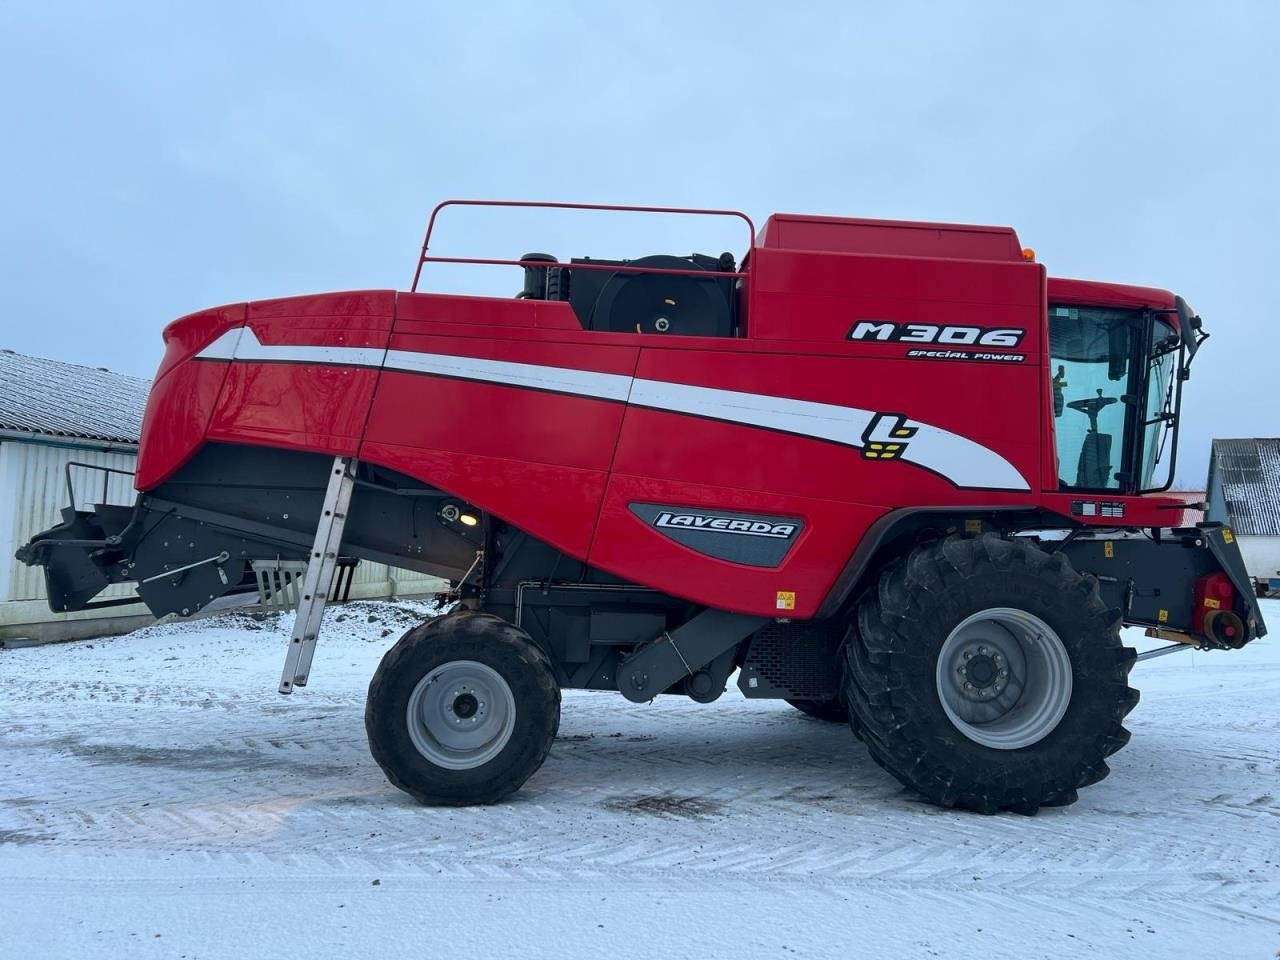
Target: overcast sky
{"x": 156, "y": 161}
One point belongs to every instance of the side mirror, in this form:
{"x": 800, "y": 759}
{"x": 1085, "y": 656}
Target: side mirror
{"x": 1189, "y": 326}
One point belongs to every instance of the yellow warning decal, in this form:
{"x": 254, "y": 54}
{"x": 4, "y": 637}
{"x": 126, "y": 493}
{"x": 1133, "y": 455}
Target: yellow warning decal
{"x": 973, "y": 526}
{"x": 1227, "y": 536}
{"x": 1163, "y": 616}
{"x": 786, "y": 600}
{"x": 1212, "y": 604}
{"x": 1108, "y": 549}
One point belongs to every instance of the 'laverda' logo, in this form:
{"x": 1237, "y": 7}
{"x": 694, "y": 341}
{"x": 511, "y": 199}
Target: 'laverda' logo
{"x": 951, "y": 335}
{"x": 705, "y": 521}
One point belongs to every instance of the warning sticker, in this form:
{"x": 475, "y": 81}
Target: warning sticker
{"x": 786, "y": 600}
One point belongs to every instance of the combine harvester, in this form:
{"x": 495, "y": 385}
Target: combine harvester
{"x": 890, "y": 472}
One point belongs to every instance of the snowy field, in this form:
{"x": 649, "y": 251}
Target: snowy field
{"x": 159, "y": 799}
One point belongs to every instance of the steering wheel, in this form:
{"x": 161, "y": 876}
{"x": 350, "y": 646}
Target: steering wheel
{"x": 1092, "y": 406}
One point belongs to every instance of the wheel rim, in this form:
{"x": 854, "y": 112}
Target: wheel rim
{"x": 1004, "y": 678}
{"x": 461, "y": 714}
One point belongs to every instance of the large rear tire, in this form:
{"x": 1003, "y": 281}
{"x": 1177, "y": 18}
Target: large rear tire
{"x": 988, "y": 674}
{"x": 462, "y": 710}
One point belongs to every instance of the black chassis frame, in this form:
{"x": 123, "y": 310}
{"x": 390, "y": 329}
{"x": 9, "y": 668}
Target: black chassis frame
{"x": 190, "y": 541}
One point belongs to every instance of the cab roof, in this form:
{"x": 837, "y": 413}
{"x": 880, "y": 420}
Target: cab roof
{"x": 1100, "y": 294}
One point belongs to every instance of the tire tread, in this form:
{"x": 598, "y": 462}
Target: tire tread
{"x": 889, "y": 677}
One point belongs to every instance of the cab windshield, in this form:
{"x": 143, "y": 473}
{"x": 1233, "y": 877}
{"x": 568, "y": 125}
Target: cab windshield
{"x": 1111, "y": 370}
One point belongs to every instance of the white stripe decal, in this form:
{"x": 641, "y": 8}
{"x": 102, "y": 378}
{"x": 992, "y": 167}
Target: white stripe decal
{"x": 243, "y": 344}
{"x": 582, "y": 383}
{"x": 822, "y": 420}
{"x": 961, "y": 460}
{"x": 224, "y": 348}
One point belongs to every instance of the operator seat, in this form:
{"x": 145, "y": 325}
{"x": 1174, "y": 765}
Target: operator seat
{"x": 1093, "y": 470}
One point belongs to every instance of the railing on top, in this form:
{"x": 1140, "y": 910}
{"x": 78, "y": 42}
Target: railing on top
{"x": 424, "y": 257}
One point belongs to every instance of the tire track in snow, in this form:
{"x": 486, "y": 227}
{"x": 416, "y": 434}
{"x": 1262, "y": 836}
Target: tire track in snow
{"x": 200, "y": 760}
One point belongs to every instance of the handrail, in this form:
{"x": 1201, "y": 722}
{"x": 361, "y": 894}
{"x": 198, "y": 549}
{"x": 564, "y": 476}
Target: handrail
{"x": 610, "y": 267}
{"x": 106, "y": 477}
{"x": 558, "y": 205}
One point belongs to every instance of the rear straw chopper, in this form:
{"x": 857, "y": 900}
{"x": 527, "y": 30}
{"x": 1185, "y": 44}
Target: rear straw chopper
{"x": 890, "y": 472}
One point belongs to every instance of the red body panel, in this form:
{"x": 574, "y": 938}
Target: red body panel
{"x": 183, "y": 397}
{"x": 313, "y": 407}
{"x": 1101, "y": 294}
{"x": 897, "y": 238}
{"x": 679, "y": 448}
{"x": 464, "y": 315}
{"x": 512, "y": 406}
{"x": 816, "y": 296}
{"x": 176, "y": 421}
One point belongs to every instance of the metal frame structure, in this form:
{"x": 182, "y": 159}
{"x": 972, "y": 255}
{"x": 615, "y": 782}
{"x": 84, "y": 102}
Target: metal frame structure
{"x": 424, "y": 258}
{"x": 93, "y": 467}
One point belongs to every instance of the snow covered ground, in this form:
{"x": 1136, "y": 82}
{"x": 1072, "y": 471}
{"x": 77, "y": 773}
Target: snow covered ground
{"x": 159, "y": 799}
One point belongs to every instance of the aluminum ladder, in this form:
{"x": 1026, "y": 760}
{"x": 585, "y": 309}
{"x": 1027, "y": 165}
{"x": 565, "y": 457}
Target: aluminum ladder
{"x": 319, "y": 579}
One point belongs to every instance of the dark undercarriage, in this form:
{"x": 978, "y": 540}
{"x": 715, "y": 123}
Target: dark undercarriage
{"x": 191, "y": 541}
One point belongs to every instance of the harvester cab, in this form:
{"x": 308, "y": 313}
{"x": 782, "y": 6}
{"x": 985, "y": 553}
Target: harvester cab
{"x": 890, "y": 472}
{"x": 1129, "y": 357}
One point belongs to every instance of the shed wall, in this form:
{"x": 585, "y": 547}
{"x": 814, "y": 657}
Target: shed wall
{"x": 1261, "y": 555}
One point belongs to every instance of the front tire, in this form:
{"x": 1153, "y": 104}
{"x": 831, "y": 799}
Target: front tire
{"x": 462, "y": 710}
{"x": 987, "y": 674}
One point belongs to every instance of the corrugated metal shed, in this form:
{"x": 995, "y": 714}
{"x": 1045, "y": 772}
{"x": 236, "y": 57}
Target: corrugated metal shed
{"x": 56, "y": 399}
{"x": 1246, "y": 474}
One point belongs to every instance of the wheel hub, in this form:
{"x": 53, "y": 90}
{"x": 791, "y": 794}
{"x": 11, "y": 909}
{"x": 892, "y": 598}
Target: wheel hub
{"x": 984, "y": 673}
{"x": 1004, "y": 678}
{"x": 461, "y": 714}
{"x": 465, "y": 706}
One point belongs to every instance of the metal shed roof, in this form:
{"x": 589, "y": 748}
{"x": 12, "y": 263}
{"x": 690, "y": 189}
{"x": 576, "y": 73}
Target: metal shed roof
{"x": 1249, "y": 471}
{"x": 55, "y": 399}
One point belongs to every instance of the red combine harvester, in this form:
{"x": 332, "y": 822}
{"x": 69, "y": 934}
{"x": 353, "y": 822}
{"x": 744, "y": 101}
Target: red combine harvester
{"x": 887, "y": 471}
